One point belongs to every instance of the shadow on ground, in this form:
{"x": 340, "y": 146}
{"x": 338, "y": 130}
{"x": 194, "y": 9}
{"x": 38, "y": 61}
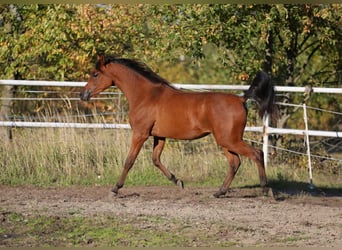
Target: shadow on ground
{"x": 282, "y": 190}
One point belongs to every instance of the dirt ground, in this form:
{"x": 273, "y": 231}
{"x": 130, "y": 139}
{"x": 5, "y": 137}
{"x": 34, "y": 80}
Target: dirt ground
{"x": 279, "y": 219}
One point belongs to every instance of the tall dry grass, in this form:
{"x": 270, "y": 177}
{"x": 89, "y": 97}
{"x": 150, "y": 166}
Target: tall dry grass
{"x": 67, "y": 156}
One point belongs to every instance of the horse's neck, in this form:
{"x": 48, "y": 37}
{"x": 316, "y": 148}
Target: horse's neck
{"x": 134, "y": 86}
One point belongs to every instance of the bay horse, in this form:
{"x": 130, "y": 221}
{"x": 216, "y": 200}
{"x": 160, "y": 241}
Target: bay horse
{"x": 158, "y": 109}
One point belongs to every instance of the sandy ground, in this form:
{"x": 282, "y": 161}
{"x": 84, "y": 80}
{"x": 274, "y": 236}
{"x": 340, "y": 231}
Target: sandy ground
{"x": 298, "y": 219}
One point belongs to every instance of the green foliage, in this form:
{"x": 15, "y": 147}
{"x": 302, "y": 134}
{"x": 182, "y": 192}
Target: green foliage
{"x": 58, "y": 42}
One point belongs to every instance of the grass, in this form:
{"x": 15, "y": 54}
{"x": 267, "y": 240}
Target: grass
{"x": 102, "y": 230}
{"x": 61, "y": 157}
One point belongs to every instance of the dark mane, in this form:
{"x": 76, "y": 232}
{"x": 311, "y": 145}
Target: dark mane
{"x": 137, "y": 66}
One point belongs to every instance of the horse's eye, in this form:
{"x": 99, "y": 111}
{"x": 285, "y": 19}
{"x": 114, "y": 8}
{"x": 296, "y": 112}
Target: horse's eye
{"x": 95, "y": 74}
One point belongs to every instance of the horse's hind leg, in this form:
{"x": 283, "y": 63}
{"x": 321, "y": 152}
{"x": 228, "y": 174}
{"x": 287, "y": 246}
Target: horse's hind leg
{"x": 234, "y": 164}
{"x": 241, "y": 148}
{"x": 158, "y": 146}
{"x": 255, "y": 155}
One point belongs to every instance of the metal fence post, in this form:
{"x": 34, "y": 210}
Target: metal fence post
{"x": 265, "y": 138}
{"x": 311, "y": 186}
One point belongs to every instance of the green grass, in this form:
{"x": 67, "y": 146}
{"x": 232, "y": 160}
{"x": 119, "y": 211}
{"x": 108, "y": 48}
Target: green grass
{"x": 61, "y": 157}
{"x": 102, "y": 230}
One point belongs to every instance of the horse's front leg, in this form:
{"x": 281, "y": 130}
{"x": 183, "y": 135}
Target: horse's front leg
{"x": 158, "y": 146}
{"x": 137, "y": 142}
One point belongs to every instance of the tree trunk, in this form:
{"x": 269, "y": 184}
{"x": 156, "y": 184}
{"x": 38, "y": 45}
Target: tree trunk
{"x": 339, "y": 65}
{"x": 269, "y": 54}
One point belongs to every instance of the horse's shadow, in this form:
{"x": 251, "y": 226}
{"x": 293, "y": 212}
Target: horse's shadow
{"x": 281, "y": 190}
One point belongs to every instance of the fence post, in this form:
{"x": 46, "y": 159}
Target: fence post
{"x": 265, "y": 138}
{"x": 311, "y": 186}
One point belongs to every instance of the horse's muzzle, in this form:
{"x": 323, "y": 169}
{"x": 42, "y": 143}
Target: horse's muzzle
{"x": 85, "y": 95}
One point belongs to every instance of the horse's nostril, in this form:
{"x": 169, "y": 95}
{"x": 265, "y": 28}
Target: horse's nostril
{"x": 85, "y": 95}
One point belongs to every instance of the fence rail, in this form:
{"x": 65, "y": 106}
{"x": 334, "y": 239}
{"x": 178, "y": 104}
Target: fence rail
{"x": 270, "y": 130}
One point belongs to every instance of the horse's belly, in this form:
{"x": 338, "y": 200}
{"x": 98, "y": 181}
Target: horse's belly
{"x": 179, "y": 130}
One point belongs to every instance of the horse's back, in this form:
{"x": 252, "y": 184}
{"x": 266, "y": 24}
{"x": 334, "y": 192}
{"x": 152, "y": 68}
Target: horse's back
{"x": 204, "y": 104}
{"x": 189, "y": 115}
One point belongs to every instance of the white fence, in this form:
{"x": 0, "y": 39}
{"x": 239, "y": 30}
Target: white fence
{"x": 265, "y": 129}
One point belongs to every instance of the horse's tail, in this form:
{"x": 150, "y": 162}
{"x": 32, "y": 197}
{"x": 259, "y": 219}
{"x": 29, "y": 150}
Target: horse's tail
{"x": 262, "y": 91}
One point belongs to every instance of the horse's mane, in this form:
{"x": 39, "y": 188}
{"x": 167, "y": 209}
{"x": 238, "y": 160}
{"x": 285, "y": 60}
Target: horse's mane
{"x": 135, "y": 65}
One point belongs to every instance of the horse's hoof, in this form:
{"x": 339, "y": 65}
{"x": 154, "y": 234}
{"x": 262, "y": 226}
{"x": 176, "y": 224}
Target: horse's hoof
{"x": 180, "y": 184}
{"x": 220, "y": 193}
{"x": 115, "y": 190}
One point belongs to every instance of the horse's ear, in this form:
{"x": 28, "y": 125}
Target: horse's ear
{"x": 101, "y": 60}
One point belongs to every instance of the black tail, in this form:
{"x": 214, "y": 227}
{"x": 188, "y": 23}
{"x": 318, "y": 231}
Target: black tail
{"x": 262, "y": 91}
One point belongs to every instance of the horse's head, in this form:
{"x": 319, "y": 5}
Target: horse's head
{"x": 97, "y": 82}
